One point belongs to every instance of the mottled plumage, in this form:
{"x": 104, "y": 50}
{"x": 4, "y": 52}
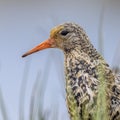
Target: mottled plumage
{"x": 84, "y": 67}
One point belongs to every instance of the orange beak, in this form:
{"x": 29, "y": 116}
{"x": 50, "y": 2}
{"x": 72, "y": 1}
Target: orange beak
{"x": 46, "y": 44}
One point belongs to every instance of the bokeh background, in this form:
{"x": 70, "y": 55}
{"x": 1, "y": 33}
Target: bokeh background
{"x": 33, "y": 88}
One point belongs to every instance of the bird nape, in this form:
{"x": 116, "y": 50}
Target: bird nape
{"x": 92, "y": 89}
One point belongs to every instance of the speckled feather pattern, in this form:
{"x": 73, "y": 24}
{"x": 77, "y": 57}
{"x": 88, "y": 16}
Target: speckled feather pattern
{"x": 81, "y": 69}
{"x": 82, "y": 78}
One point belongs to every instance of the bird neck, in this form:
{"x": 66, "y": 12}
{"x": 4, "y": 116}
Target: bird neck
{"x": 81, "y": 62}
{"x": 82, "y": 48}
{"x": 80, "y": 58}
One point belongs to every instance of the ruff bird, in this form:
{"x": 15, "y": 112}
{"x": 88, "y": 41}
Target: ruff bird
{"x": 86, "y": 72}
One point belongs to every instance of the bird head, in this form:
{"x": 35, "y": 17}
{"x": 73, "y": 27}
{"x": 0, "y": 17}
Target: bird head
{"x": 65, "y": 36}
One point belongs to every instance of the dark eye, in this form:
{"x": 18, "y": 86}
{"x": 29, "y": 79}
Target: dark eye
{"x": 64, "y": 32}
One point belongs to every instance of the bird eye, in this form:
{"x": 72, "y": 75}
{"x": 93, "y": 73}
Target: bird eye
{"x": 64, "y": 32}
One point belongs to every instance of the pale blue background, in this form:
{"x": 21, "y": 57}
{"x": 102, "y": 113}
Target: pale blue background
{"x": 24, "y": 24}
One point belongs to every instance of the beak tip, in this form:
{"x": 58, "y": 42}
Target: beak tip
{"x": 24, "y": 55}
